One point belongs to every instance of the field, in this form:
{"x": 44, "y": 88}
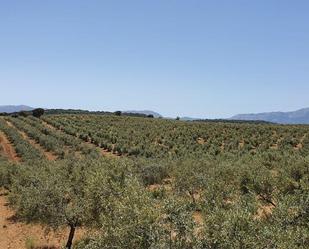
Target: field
{"x": 108, "y": 181}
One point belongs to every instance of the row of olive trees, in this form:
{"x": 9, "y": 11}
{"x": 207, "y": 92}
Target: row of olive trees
{"x": 23, "y": 148}
{"x": 103, "y": 195}
{"x": 161, "y": 138}
{"x": 55, "y": 141}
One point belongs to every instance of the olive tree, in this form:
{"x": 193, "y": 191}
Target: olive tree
{"x": 122, "y": 210}
{"x": 38, "y": 112}
{"x": 51, "y": 194}
{"x": 189, "y": 178}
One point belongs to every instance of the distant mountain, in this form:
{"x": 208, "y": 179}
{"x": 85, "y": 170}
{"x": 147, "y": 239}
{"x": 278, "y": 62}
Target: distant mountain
{"x": 146, "y": 112}
{"x": 14, "y": 108}
{"x": 296, "y": 117}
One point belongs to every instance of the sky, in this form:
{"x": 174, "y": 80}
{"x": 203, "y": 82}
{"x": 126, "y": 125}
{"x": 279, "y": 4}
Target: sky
{"x": 206, "y": 59}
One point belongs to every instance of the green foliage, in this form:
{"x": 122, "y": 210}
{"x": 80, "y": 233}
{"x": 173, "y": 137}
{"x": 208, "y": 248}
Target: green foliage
{"x": 158, "y": 138}
{"x": 38, "y": 112}
{"x": 25, "y": 150}
{"x": 117, "y": 113}
{"x": 248, "y": 183}
{"x": 7, "y": 171}
{"x": 153, "y": 173}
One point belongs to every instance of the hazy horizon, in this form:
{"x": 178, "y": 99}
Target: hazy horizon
{"x": 178, "y": 58}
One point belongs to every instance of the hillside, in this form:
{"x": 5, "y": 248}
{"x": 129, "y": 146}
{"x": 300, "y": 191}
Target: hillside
{"x": 295, "y": 117}
{"x": 14, "y": 108}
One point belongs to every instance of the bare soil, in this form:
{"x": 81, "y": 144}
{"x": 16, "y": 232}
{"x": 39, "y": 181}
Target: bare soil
{"x": 198, "y": 218}
{"x": 201, "y": 141}
{"x": 300, "y": 144}
{"x": 263, "y": 212}
{"x": 14, "y": 234}
{"x": 8, "y": 149}
{"x": 49, "y": 155}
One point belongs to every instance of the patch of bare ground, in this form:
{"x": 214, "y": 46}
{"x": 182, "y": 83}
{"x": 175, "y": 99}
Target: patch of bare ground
{"x": 275, "y": 146}
{"x": 103, "y": 152}
{"x": 14, "y": 234}
{"x": 263, "y": 212}
{"x": 157, "y": 142}
{"x": 222, "y": 146}
{"x": 166, "y": 185}
{"x": 49, "y": 155}
{"x": 198, "y": 217}
{"x": 300, "y": 144}
{"x": 241, "y": 144}
{"x": 265, "y": 209}
{"x": 8, "y": 149}
{"x": 201, "y": 140}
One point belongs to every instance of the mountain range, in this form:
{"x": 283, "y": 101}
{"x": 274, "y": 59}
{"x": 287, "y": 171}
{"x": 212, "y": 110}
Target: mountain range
{"x": 295, "y": 117}
{"x": 14, "y": 108}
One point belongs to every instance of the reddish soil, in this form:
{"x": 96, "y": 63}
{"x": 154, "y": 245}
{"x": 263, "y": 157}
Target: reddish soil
{"x": 103, "y": 151}
{"x": 241, "y": 144}
{"x": 8, "y": 149}
{"x": 166, "y": 185}
{"x": 263, "y": 212}
{"x": 201, "y": 141}
{"x": 49, "y": 155}
{"x": 300, "y": 144}
{"x": 198, "y": 217}
{"x": 14, "y": 234}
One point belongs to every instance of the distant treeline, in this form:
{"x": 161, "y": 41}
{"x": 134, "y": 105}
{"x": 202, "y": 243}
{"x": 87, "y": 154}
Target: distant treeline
{"x": 233, "y": 121}
{"x": 119, "y": 113}
{"x": 77, "y": 111}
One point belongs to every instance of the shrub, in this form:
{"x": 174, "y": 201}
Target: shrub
{"x": 153, "y": 174}
{"x": 38, "y": 112}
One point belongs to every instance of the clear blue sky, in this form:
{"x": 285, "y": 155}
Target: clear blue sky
{"x": 188, "y": 58}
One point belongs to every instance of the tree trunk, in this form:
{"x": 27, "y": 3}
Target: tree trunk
{"x": 192, "y": 196}
{"x": 71, "y": 236}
